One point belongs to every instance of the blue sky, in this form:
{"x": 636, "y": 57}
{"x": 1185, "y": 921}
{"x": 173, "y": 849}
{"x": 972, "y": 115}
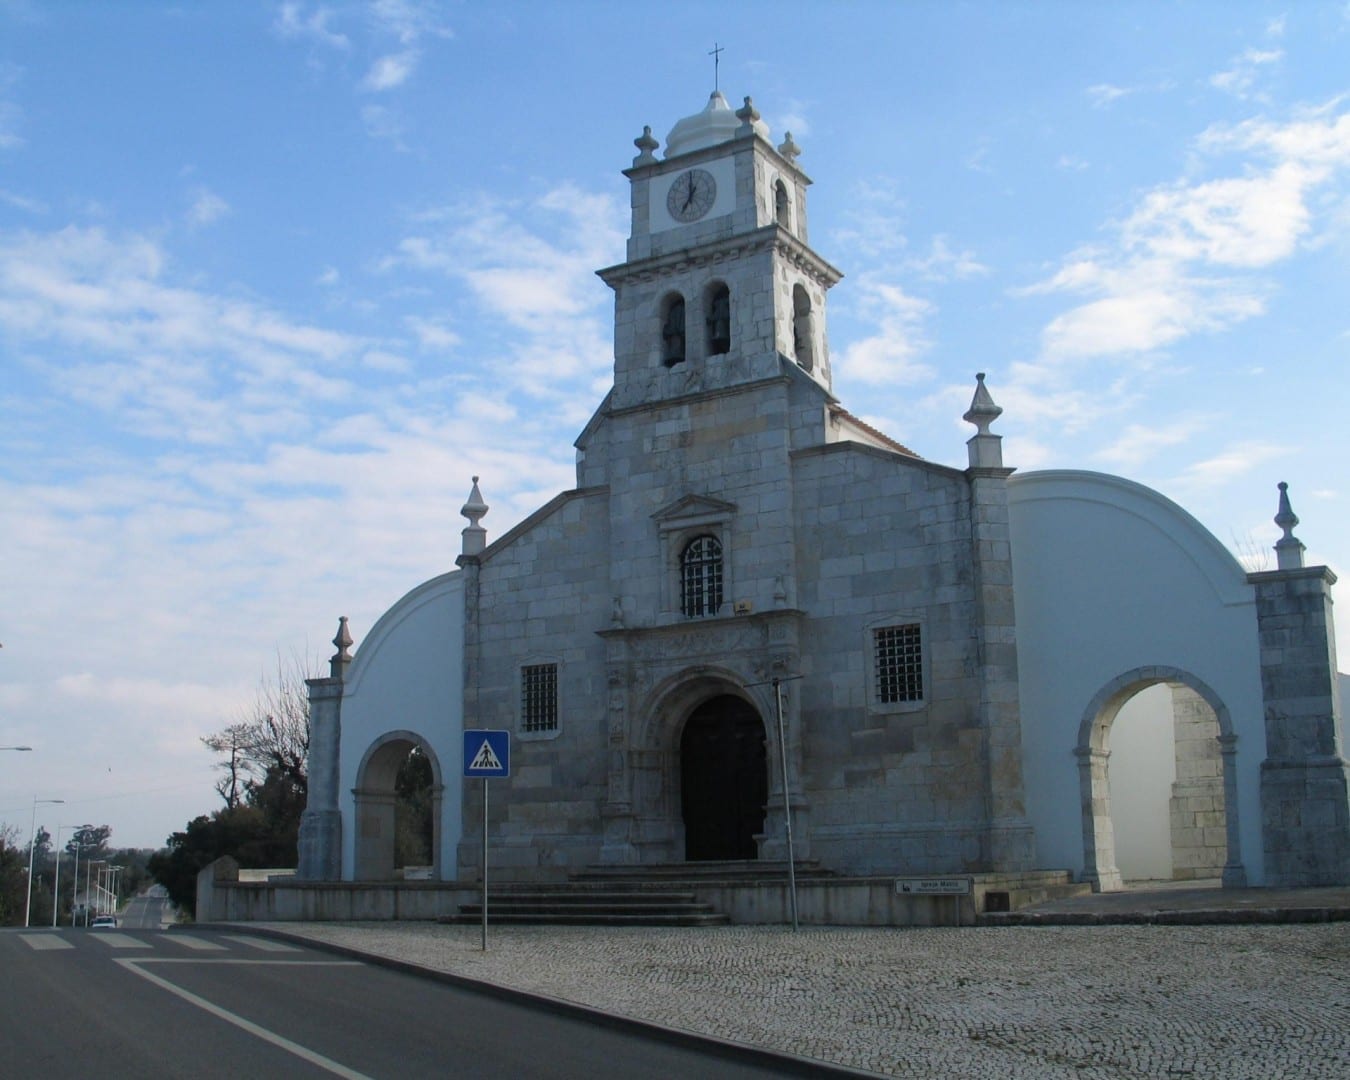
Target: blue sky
{"x": 276, "y": 279}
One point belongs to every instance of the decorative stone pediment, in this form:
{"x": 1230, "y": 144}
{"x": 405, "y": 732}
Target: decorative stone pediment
{"x": 692, "y": 510}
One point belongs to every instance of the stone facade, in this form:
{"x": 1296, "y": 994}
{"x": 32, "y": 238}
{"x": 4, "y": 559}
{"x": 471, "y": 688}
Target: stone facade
{"x": 753, "y": 604}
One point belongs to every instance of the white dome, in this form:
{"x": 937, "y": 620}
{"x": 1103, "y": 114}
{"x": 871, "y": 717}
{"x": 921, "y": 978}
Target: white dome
{"x": 717, "y": 123}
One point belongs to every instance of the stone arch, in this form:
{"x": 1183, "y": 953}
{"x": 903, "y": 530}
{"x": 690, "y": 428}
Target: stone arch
{"x": 717, "y": 318}
{"x": 376, "y": 799}
{"x": 655, "y": 755}
{"x": 1093, "y": 753}
{"x": 803, "y": 329}
{"x": 674, "y": 341}
{"x": 782, "y": 205}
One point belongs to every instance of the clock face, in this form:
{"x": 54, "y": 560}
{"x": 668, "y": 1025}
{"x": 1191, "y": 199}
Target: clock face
{"x": 692, "y": 195}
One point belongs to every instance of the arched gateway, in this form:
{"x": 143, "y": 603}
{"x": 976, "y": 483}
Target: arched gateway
{"x": 377, "y": 797}
{"x": 723, "y": 780}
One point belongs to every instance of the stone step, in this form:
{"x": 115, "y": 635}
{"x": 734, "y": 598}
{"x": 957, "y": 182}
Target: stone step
{"x": 711, "y": 918}
{"x": 710, "y": 870}
{"x": 586, "y": 897}
{"x": 516, "y": 907}
{"x": 596, "y": 903}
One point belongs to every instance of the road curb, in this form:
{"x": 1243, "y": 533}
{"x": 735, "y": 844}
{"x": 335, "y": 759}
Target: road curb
{"x": 787, "y": 1064}
{"x": 1170, "y": 917}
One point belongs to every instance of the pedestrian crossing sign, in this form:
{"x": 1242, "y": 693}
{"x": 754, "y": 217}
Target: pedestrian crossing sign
{"x": 487, "y": 753}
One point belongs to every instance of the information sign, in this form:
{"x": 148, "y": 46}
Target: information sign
{"x": 925, "y": 886}
{"x": 487, "y": 753}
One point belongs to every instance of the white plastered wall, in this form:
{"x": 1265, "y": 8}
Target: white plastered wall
{"x": 1110, "y": 578}
{"x": 407, "y": 675}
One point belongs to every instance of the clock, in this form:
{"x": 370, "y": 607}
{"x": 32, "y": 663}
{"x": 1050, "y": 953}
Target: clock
{"x": 692, "y": 195}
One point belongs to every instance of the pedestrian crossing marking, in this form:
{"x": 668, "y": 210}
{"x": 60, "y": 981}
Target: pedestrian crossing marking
{"x": 120, "y": 940}
{"x": 189, "y": 942}
{"x": 45, "y": 941}
{"x": 485, "y": 760}
{"x": 261, "y": 943}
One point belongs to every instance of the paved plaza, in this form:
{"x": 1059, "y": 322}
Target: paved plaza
{"x": 1107, "y": 1001}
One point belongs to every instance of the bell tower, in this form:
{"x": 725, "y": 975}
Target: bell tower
{"x": 720, "y": 285}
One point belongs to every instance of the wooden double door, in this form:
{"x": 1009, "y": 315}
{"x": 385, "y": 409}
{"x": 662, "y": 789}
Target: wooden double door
{"x": 724, "y": 780}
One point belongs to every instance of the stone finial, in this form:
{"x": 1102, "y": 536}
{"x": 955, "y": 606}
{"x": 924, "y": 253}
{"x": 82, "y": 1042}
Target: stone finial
{"x": 747, "y": 114}
{"x": 986, "y": 449}
{"x": 337, "y": 666}
{"x": 789, "y": 149}
{"x": 475, "y": 536}
{"x": 982, "y": 411}
{"x": 1288, "y": 548}
{"x": 647, "y": 145}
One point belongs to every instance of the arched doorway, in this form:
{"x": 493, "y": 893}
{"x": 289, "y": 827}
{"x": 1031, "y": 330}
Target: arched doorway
{"x": 1157, "y": 774}
{"x": 723, "y": 780}
{"x": 398, "y": 789}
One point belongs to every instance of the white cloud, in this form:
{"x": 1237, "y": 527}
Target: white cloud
{"x": 1104, "y": 94}
{"x": 875, "y": 221}
{"x": 206, "y": 208}
{"x": 943, "y": 264}
{"x": 390, "y": 71}
{"x": 432, "y": 333}
{"x": 294, "y": 22}
{"x": 1137, "y": 443}
{"x": 794, "y": 119}
{"x": 11, "y": 115}
{"x": 408, "y": 20}
{"x": 153, "y": 355}
{"x": 1240, "y": 78}
{"x": 889, "y": 356}
{"x": 328, "y": 277}
{"x": 1236, "y": 460}
{"x": 1185, "y": 257}
{"x": 22, "y": 202}
{"x": 382, "y": 123}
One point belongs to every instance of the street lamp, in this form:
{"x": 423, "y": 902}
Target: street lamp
{"x": 32, "y": 850}
{"x": 56, "y": 881}
{"x": 75, "y": 880}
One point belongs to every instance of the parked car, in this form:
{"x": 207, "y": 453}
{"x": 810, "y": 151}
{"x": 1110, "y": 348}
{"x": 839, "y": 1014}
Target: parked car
{"x": 104, "y": 922}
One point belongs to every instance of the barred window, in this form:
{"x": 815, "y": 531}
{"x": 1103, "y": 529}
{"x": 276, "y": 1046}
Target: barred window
{"x": 539, "y": 697}
{"x": 701, "y": 577}
{"x": 899, "y": 663}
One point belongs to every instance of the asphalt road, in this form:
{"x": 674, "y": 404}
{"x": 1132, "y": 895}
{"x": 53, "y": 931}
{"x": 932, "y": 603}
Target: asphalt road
{"x": 143, "y": 1003}
{"x": 149, "y": 911}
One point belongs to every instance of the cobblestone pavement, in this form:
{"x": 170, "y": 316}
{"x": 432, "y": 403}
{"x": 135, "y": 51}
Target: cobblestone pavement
{"x": 1117, "y": 1001}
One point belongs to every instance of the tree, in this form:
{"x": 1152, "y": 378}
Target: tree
{"x": 264, "y": 761}
{"x": 13, "y": 876}
{"x": 240, "y": 831}
{"x": 271, "y": 743}
{"x": 91, "y": 841}
{"x": 413, "y": 830}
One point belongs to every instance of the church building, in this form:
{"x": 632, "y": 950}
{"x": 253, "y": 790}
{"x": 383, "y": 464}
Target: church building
{"x": 757, "y": 620}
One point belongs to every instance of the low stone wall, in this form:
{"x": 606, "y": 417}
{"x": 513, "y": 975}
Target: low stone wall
{"x": 221, "y": 897}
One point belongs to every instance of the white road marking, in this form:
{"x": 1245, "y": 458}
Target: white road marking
{"x": 45, "y": 941}
{"x": 195, "y": 943}
{"x": 115, "y": 939}
{"x": 312, "y": 1056}
{"x": 264, "y": 944}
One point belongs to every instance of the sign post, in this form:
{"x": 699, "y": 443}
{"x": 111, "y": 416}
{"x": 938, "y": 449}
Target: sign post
{"x": 955, "y": 887}
{"x": 487, "y": 754}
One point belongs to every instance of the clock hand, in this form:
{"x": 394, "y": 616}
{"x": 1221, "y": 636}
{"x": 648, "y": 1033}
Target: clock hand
{"x": 693, "y": 188}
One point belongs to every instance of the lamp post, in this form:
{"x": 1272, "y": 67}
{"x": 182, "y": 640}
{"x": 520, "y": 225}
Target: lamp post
{"x": 75, "y": 880}
{"x": 56, "y": 880}
{"x": 32, "y": 850}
